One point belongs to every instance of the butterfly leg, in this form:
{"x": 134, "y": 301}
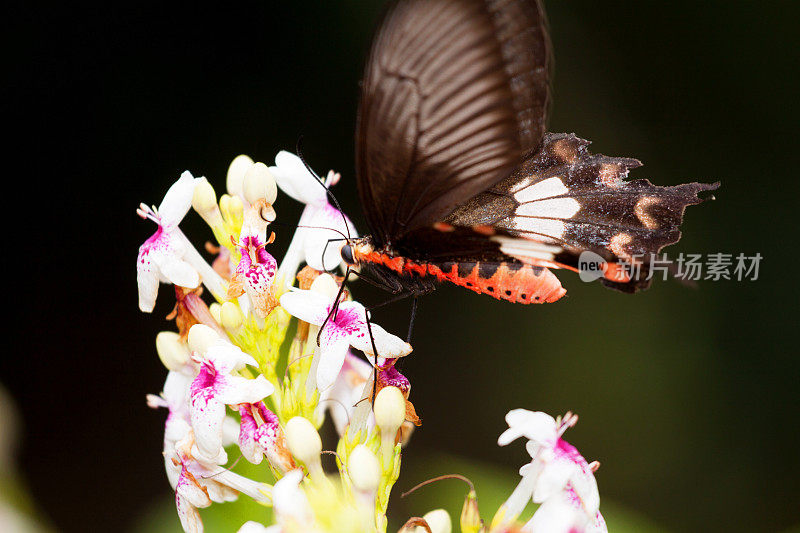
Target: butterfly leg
{"x": 374, "y": 358}
{"x": 414, "y": 305}
{"x": 335, "y": 307}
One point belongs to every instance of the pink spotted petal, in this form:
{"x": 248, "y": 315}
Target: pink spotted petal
{"x": 552, "y": 479}
{"x": 147, "y": 280}
{"x": 598, "y": 525}
{"x": 160, "y": 260}
{"x": 563, "y": 513}
{"x": 333, "y": 347}
{"x": 247, "y": 436}
{"x": 581, "y": 477}
{"x": 258, "y": 281}
{"x": 189, "y": 488}
{"x": 188, "y": 515}
{"x": 207, "y": 415}
{"x": 273, "y": 441}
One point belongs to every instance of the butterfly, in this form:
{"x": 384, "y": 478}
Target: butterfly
{"x": 459, "y": 180}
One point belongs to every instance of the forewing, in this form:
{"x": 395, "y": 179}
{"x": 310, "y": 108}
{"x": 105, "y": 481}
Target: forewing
{"x": 454, "y": 92}
{"x": 564, "y": 200}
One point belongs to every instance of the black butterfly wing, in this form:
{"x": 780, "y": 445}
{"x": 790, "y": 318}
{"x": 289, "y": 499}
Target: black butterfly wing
{"x": 564, "y": 200}
{"x": 454, "y": 93}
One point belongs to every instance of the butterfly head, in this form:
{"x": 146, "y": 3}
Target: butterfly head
{"x": 355, "y": 250}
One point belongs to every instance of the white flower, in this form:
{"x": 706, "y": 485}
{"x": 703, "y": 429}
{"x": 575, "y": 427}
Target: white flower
{"x": 161, "y": 257}
{"x": 311, "y": 241}
{"x": 348, "y": 327}
{"x": 216, "y": 386}
{"x": 557, "y": 470}
{"x": 200, "y": 484}
{"x": 175, "y": 398}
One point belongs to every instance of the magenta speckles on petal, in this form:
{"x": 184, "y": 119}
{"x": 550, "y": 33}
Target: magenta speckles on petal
{"x": 566, "y": 450}
{"x": 349, "y": 320}
{"x": 391, "y": 377}
{"x": 205, "y": 378}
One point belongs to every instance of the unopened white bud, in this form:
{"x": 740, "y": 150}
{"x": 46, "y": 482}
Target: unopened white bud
{"x": 390, "y": 408}
{"x": 204, "y": 198}
{"x": 236, "y": 171}
{"x": 390, "y": 413}
{"x": 232, "y": 209}
{"x": 325, "y": 284}
{"x": 364, "y": 470}
{"x": 173, "y": 353}
{"x": 304, "y": 443}
{"x": 230, "y": 316}
{"x": 215, "y": 309}
{"x": 236, "y": 208}
{"x": 439, "y": 521}
{"x": 204, "y": 202}
{"x": 259, "y": 183}
{"x": 201, "y": 337}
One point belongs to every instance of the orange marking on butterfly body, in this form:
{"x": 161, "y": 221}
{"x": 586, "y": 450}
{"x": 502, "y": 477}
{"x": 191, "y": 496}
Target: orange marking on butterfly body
{"x": 525, "y": 284}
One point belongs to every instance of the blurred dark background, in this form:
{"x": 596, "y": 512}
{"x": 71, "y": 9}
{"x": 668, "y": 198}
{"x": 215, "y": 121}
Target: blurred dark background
{"x": 688, "y": 397}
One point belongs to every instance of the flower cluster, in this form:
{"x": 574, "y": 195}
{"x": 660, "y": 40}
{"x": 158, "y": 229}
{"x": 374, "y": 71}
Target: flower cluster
{"x": 238, "y": 385}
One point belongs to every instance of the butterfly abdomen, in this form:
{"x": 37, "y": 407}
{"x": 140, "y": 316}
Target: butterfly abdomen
{"x": 513, "y": 282}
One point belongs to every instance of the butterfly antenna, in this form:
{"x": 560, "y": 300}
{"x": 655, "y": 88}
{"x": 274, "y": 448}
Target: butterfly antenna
{"x": 327, "y": 189}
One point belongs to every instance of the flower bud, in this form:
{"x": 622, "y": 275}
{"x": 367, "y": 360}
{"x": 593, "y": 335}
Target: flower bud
{"x": 215, "y": 309}
{"x": 259, "y": 183}
{"x": 230, "y": 316}
{"x": 439, "y": 521}
{"x": 232, "y": 209}
{"x": 364, "y": 470}
{"x": 390, "y": 408}
{"x": 305, "y": 444}
{"x": 236, "y": 172}
{"x": 204, "y": 202}
{"x": 236, "y": 209}
{"x": 201, "y": 337}
{"x": 325, "y": 284}
{"x": 470, "y": 515}
{"x": 390, "y": 413}
{"x": 173, "y": 353}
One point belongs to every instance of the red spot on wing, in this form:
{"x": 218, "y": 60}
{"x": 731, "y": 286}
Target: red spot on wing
{"x": 444, "y": 227}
